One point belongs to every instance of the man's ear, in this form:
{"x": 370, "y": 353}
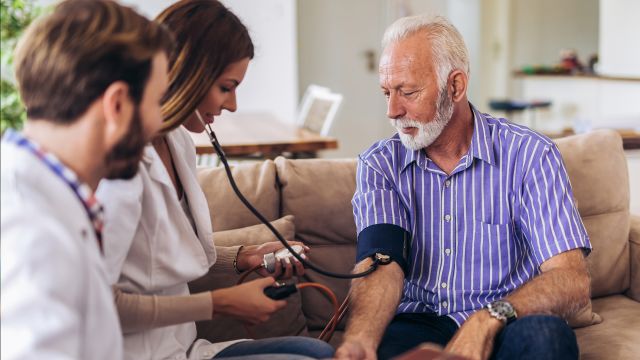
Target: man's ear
{"x": 458, "y": 85}
{"x": 118, "y": 111}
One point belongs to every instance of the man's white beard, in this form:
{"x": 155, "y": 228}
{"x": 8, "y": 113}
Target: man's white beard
{"x": 427, "y": 133}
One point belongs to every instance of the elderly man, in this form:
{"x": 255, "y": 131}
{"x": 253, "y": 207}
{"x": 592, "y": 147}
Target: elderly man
{"x": 91, "y": 75}
{"x": 476, "y": 212}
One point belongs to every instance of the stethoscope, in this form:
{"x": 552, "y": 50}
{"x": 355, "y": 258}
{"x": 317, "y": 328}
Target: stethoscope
{"x": 216, "y": 145}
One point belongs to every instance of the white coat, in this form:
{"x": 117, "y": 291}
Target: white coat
{"x": 57, "y": 302}
{"x": 153, "y": 248}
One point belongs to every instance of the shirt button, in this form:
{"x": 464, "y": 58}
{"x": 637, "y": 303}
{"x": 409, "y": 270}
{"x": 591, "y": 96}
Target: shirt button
{"x": 447, "y": 251}
{"x": 445, "y": 304}
{"x": 447, "y": 218}
{"x": 447, "y": 183}
{"x": 444, "y": 285}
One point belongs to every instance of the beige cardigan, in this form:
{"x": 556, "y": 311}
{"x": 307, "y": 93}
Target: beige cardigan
{"x": 139, "y": 312}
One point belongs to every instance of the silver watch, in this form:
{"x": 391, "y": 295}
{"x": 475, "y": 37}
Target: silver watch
{"x": 502, "y": 310}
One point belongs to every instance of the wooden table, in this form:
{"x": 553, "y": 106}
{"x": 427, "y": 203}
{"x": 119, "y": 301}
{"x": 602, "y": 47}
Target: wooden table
{"x": 261, "y": 134}
{"x": 630, "y": 138}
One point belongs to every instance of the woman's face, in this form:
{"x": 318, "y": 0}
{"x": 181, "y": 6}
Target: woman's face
{"x": 221, "y": 96}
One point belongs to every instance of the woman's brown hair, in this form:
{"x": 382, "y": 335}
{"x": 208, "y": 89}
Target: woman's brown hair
{"x": 209, "y": 37}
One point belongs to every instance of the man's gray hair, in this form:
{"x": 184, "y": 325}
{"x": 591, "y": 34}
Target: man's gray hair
{"x": 447, "y": 46}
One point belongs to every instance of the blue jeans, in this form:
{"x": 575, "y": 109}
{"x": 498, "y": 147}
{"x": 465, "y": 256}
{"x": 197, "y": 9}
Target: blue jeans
{"x": 530, "y": 337}
{"x": 286, "y": 347}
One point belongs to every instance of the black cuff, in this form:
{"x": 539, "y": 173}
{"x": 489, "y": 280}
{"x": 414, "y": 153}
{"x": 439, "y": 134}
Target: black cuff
{"x": 386, "y": 239}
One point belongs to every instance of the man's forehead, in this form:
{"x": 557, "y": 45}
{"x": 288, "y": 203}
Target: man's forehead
{"x": 403, "y": 56}
{"x": 398, "y": 70}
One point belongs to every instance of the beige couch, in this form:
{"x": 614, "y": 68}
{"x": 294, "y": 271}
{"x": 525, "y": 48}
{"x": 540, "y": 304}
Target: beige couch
{"x": 318, "y": 194}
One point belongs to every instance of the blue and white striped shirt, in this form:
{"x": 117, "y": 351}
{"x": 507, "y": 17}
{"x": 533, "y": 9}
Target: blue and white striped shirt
{"x": 482, "y": 231}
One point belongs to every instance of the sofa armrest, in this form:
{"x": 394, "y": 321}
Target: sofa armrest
{"x": 634, "y": 244}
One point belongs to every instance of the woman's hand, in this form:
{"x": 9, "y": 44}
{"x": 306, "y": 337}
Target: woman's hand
{"x": 246, "y": 302}
{"x": 251, "y": 256}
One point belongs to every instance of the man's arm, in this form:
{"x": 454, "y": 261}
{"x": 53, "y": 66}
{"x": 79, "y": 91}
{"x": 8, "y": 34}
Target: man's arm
{"x": 562, "y": 289}
{"x": 41, "y": 288}
{"x": 556, "y": 238}
{"x": 374, "y": 300}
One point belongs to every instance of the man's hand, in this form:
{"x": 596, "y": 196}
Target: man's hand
{"x": 251, "y": 256}
{"x": 355, "y": 350}
{"x": 246, "y": 302}
{"x": 474, "y": 340}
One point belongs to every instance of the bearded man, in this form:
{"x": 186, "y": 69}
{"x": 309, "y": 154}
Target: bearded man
{"x": 476, "y": 212}
{"x": 91, "y": 75}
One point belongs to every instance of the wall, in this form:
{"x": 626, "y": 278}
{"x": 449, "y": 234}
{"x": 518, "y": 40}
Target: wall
{"x": 619, "y": 30}
{"x": 271, "y": 83}
{"x": 541, "y": 28}
{"x": 334, "y": 39}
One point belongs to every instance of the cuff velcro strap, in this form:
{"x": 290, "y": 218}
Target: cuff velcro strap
{"x": 386, "y": 239}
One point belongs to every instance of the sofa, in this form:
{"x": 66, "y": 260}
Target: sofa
{"x": 309, "y": 201}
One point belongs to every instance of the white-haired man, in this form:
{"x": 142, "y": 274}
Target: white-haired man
{"x": 476, "y": 212}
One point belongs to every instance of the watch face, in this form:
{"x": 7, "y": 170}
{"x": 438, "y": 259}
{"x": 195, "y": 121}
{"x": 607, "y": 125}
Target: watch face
{"x": 503, "y": 308}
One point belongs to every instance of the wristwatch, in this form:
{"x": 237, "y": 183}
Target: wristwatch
{"x": 502, "y": 310}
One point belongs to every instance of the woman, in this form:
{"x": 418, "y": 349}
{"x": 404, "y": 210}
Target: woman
{"x": 157, "y": 226}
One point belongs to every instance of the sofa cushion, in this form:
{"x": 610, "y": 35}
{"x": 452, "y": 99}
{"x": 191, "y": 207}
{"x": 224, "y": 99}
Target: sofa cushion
{"x": 318, "y": 193}
{"x": 256, "y": 181}
{"x": 256, "y": 234}
{"x": 597, "y": 169}
{"x": 634, "y": 243}
{"x": 617, "y": 336}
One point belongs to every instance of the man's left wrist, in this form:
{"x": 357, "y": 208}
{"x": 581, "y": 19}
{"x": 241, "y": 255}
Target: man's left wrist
{"x": 494, "y": 324}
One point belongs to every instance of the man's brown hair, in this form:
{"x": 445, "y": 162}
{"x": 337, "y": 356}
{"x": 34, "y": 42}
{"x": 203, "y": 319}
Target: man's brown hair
{"x": 66, "y": 60}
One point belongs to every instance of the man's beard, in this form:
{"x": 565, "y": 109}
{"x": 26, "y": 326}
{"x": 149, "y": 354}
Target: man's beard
{"x": 427, "y": 133}
{"x": 123, "y": 160}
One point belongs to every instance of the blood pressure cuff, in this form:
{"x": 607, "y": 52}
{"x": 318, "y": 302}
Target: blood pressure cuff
{"x": 386, "y": 239}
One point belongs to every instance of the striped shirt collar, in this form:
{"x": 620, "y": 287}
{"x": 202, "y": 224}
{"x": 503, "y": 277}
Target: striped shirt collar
{"x": 85, "y": 194}
{"x": 481, "y": 146}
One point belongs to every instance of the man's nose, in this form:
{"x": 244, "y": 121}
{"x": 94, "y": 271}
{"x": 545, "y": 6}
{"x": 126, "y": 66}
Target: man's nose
{"x": 394, "y": 107}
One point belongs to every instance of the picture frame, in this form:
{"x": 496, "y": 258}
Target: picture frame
{"x": 318, "y": 109}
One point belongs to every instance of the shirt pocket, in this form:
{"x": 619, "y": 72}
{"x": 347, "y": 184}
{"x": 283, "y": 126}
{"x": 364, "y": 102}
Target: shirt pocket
{"x": 486, "y": 249}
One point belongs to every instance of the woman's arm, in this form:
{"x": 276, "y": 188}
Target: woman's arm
{"x": 245, "y": 302}
{"x": 143, "y": 312}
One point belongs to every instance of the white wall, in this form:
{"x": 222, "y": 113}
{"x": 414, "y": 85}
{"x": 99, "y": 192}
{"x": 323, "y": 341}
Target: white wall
{"x": 493, "y": 73}
{"x": 271, "y": 83}
{"x": 619, "y": 32}
{"x": 334, "y": 38}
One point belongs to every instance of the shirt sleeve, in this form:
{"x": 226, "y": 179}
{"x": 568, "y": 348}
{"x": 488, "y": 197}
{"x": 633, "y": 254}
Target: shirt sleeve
{"x": 376, "y": 200}
{"x": 549, "y": 218}
{"x": 138, "y": 312}
{"x": 41, "y": 288}
{"x": 122, "y": 202}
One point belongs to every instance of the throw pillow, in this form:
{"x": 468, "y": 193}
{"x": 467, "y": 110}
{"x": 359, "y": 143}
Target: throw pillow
{"x": 256, "y": 234}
